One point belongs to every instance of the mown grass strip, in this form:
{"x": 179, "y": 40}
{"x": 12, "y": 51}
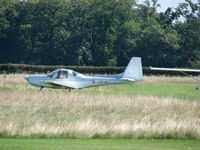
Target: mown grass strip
{"x": 97, "y": 144}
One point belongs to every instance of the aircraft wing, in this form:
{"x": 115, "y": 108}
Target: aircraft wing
{"x": 60, "y": 83}
{"x": 175, "y": 69}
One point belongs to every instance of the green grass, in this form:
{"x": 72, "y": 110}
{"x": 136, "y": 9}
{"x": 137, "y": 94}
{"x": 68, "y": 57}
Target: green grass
{"x": 97, "y": 144}
{"x": 179, "y": 91}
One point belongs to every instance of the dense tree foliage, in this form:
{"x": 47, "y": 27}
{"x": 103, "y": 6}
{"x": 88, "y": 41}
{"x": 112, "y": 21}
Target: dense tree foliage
{"x": 99, "y": 32}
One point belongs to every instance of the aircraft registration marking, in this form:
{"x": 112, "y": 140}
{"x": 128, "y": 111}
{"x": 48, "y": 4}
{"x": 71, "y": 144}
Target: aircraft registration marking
{"x": 99, "y": 81}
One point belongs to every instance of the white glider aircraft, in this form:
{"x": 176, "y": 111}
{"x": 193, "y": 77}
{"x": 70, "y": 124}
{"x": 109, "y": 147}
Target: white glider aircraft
{"x": 69, "y": 79}
{"x": 182, "y": 71}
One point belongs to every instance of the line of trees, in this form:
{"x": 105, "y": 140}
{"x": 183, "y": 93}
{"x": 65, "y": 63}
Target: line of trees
{"x": 99, "y": 32}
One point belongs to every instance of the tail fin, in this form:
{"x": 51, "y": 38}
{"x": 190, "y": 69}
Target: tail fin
{"x": 133, "y": 71}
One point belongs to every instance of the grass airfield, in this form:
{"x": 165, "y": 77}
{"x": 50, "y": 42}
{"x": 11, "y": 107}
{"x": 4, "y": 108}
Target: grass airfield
{"x": 107, "y": 117}
{"x": 97, "y": 144}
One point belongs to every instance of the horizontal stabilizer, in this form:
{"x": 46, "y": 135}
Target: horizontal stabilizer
{"x": 127, "y": 79}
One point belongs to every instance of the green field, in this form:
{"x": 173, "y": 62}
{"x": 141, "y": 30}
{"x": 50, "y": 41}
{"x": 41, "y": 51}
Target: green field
{"x": 179, "y": 91}
{"x": 97, "y": 144}
{"x": 161, "y": 113}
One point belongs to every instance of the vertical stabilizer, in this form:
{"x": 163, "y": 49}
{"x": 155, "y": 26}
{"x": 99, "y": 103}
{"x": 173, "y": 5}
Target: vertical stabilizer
{"x": 134, "y": 70}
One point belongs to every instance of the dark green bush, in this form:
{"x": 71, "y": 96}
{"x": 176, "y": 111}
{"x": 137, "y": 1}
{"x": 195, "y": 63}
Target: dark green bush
{"x": 22, "y": 68}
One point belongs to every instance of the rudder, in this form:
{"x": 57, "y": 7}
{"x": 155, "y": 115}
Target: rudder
{"x": 133, "y": 70}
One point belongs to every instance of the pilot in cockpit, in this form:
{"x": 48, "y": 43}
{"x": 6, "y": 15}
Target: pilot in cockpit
{"x": 62, "y": 74}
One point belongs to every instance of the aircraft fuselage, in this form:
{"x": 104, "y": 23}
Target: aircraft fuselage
{"x": 86, "y": 81}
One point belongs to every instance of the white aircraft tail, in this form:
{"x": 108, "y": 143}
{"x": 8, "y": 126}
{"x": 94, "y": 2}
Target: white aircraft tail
{"x": 133, "y": 71}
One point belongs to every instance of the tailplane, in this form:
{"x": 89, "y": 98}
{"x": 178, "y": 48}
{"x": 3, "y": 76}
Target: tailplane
{"x": 133, "y": 71}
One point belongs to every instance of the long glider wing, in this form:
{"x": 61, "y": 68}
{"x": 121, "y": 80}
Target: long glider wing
{"x": 59, "y": 83}
{"x": 175, "y": 69}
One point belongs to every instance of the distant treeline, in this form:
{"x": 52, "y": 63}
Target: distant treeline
{"x": 28, "y": 69}
{"x": 99, "y": 33}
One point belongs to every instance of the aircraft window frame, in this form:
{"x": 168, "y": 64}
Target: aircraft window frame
{"x": 62, "y": 74}
{"x": 65, "y": 74}
{"x": 57, "y": 74}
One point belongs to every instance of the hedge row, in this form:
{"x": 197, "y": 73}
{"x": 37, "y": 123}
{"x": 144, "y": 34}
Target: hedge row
{"x": 22, "y": 68}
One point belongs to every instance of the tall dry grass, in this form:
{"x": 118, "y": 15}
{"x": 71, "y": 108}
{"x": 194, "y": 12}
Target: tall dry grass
{"x": 58, "y": 113}
{"x": 13, "y": 81}
{"x": 29, "y": 113}
{"x": 170, "y": 80}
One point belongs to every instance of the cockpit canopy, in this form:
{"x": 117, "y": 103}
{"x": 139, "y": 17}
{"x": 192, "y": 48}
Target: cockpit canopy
{"x": 62, "y": 74}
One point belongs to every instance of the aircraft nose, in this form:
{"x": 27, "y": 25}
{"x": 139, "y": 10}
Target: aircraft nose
{"x": 27, "y": 78}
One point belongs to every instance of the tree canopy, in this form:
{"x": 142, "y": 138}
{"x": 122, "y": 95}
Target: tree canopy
{"x": 99, "y": 32}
